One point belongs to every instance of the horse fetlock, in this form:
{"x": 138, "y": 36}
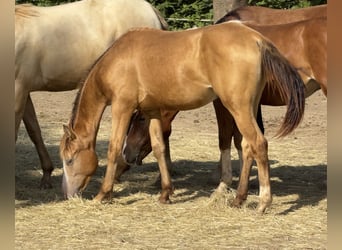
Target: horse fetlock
{"x": 103, "y": 196}
{"x": 165, "y": 195}
{"x": 228, "y": 180}
{"x": 262, "y": 207}
{"x": 264, "y": 203}
{"x": 239, "y": 200}
{"x": 45, "y": 182}
{"x": 222, "y": 187}
{"x": 164, "y": 199}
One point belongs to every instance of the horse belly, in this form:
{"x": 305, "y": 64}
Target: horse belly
{"x": 179, "y": 98}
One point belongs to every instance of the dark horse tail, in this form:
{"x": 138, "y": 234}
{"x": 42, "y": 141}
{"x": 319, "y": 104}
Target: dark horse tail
{"x": 283, "y": 78}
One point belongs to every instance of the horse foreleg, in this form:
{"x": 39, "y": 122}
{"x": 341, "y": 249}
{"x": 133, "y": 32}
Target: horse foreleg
{"x": 158, "y": 148}
{"x": 33, "y": 130}
{"x": 120, "y": 121}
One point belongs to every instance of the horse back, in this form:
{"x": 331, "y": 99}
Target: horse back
{"x": 304, "y": 44}
{"x": 269, "y": 16}
{"x": 71, "y": 37}
{"x": 162, "y": 66}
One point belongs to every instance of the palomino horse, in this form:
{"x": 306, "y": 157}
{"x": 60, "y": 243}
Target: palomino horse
{"x": 303, "y": 43}
{"x": 56, "y": 46}
{"x": 228, "y": 61}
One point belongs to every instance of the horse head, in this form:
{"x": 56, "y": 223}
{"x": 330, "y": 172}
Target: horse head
{"x": 138, "y": 144}
{"x": 79, "y": 163}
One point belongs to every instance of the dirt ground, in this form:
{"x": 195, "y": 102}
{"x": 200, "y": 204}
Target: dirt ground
{"x": 134, "y": 219}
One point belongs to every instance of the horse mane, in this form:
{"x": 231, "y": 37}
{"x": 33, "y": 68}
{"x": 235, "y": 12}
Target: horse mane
{"x": 75, "y": 107}
{"x": 26, "y": 10}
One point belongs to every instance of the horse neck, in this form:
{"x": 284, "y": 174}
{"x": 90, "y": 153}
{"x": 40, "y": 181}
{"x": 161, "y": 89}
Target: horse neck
{"x": 89, "y": 106}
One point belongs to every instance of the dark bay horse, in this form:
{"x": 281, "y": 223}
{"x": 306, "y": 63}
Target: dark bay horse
{"x": 56, "y": 46}
{"x": 150, "y": 70}
{"x": 303, "y": 43}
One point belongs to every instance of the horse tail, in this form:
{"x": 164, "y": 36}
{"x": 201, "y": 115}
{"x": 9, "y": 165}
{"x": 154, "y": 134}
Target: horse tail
{"x": 283, "y": 78}
{"x": 162, "y": 21}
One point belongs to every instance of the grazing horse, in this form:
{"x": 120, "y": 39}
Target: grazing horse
{"x": 56, "y": 46}
{"x": 303, "y": 43}
{"x": 150, "y": 70}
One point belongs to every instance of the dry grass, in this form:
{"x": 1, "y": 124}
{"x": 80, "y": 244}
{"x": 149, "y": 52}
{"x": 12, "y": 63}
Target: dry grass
{"x": 198, "y": 218}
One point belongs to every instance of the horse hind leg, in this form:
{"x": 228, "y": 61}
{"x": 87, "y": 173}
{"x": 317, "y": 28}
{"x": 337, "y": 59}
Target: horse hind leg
{"x": 21, "y": 95}
{"x": 254, "y": 145}
{"x": 33, "y": 130}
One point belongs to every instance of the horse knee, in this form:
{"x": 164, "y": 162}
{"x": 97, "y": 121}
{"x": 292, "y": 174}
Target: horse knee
{"x": 158, "y": 149}
{"x": 262, "y": 146}
{"x": 255, "y": 149}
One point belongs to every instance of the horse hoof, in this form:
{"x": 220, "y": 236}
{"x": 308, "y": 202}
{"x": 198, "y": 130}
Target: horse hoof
{"x": 103, "y": 197}
{"x": 261, "y": 209}
{"x": 236, "y": 203}
{"x": 97, "y": 198}
{"x": 45, "y": 185}
{"x": 164, "y": 200}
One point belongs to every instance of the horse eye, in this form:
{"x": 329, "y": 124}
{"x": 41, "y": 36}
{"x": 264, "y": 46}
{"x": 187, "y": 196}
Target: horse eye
{"x": 69, "y": 161}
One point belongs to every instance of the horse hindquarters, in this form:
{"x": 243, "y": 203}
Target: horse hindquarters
{"x": 242, "y": 105}
{"x": 277, "y": 71}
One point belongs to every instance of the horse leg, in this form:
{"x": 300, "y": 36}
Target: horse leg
{"x": 254, "y": 145}
{"x": 20, "y": 102}
{"x": 228, "y": 130}
{"x": 121, "y": 116}
{"x": 168, "y": 154}
{"x": 33, "y": 130}
{"x": 247, "y": 161}
{"x": 259, "y": 120}
{"x": 225, "y": 123}
{"x": 158, "y": 148}
{"x": 121, "y": 169}
{"x": 237, "y": 142}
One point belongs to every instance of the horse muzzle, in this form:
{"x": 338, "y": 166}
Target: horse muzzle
{"x": 73, "y": 191}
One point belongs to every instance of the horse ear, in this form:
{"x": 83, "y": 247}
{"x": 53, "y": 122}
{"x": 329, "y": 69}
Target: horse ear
{"x": 69, "y": 132}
